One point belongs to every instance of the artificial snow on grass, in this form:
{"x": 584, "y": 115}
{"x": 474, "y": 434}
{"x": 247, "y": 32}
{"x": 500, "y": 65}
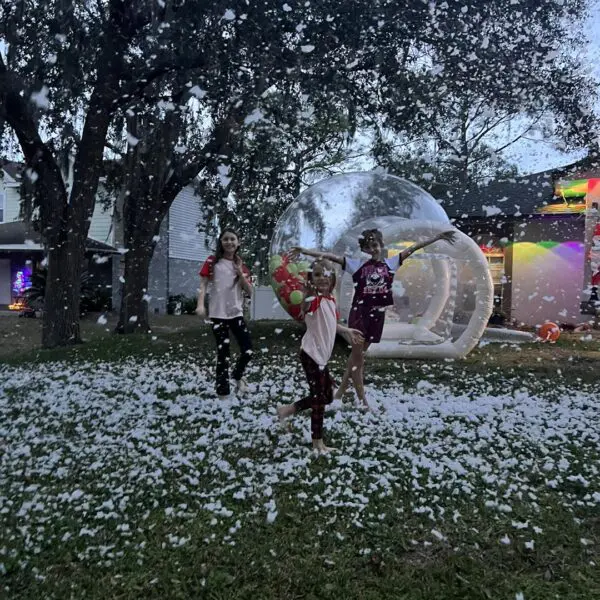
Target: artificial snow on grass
{"x": 93, "y": 455}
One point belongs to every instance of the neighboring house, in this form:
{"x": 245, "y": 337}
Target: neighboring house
{"x": 9, "y": 211}
{"x": 173, "y": 271}
{"x": 179, "y": 253}
{"x": 533, "y": 235}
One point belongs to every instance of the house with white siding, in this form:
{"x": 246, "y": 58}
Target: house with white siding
{"x": 179, "y": 253}
{"x": 9, "y": 211}
{"x": 173, "y": 270}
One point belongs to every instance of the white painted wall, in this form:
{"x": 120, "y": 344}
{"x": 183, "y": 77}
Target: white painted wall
{"x": 185, "y": 240}
{"x": 101, "y": 225}
{"x": 266, "y": 306}
{"x": 5, "y": 292}
{"x": 9, "y": 192}
{"x": 12, "y": 204}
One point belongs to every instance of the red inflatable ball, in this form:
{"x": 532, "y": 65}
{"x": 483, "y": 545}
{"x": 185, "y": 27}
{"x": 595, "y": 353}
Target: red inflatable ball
{"x": 281, "y": 274}
{"x": 549, "y": 332}
{"x": 288, "y": 280}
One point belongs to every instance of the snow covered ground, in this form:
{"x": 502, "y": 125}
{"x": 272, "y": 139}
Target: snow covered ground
{"x": 91, "y": 453}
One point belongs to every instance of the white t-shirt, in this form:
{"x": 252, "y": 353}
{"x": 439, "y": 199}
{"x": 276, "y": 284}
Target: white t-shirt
{"x": 321, "y": 324}
{"x": 225, "y": 300}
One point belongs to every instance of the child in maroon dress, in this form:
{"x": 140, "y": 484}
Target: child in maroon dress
{"x": 373, "y": 280}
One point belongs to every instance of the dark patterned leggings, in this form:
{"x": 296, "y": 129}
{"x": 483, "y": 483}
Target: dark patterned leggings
{"x": 320, "y": 385}
{"x": 221, "y": 330}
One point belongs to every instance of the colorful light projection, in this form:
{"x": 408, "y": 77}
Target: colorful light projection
{"x": 570, "y": 253}
{"x": 546, "y": 280}
{"x": 577, "y": 188}
{"x": 574, "y": 194}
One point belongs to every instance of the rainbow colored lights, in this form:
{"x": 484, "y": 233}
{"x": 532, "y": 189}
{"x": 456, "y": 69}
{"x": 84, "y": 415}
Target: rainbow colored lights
{"x": 578, "y": 188}
{"x": 558, "y": 254}
{"x": 576, "y": 193}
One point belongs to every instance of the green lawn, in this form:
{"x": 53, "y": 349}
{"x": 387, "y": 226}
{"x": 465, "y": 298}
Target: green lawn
{"x": 122, "y": 477}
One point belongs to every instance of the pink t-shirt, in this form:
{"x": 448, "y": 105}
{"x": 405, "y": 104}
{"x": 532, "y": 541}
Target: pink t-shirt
{"x": 321, "y": 324}
{"x": 226, "y": 299}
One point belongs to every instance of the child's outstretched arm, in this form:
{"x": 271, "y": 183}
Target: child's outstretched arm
{"x": 296, "y": 250}
{"x": 448, "y": 236}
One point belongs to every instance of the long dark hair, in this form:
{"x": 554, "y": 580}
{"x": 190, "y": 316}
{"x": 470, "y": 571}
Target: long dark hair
{"x": 220, "y": 252}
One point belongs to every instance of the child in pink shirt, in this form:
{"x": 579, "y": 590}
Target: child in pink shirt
{"x": 229, "y": 279}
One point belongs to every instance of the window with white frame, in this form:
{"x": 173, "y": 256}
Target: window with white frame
{"x": 2, "y": 207}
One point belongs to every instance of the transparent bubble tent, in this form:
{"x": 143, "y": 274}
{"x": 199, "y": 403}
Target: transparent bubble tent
{"x": 443, "y": 294}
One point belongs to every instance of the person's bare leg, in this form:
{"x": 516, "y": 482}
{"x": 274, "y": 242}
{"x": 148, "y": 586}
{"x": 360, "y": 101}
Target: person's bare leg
{"x": 358, "y": 376}
{"x": 345, "y": 379}
{"x": 362, "y": 365}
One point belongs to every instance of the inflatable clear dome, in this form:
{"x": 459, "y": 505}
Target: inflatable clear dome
{"x": 443, "y": 294}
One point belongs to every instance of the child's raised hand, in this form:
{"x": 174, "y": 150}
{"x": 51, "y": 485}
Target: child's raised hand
{"x": 201, "y": 311}
{"x": 448, "y": 236}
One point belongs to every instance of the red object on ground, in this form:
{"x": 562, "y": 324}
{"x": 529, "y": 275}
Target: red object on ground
{"x": 549, "y": 332}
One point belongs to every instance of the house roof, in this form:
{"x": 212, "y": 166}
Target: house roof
{"x": 520, "y": 196}
{"x": 17, "y": 235}
{"x": 517, "y": 196}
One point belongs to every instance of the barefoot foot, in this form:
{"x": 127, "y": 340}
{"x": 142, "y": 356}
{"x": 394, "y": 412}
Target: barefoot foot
{"x": 321, "y": 448}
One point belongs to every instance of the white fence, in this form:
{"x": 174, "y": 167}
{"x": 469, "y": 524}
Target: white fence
{"x": 265, "y": 305}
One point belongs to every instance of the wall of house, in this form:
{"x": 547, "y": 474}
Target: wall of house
{"x": 2, "y": 199}
{"x": 183, "y": 277}
{"x": 12, "y": 203}
{"x": 547, "y": 270}
{"x": 187, "y": 245}
{"x": 101, "y": 228}
{"x": 101, "y": 225}
{"x": 265, "y": 305}
{"x": 5, "y": 281}
{"x": 186, "y": 242}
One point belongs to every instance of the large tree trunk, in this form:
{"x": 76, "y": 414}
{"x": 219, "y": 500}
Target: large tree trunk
{"x": 152, "y": 181}
{"x": 65, "y": 221}
{"x": 133, "y": 315}
{"x": 60, "y": 325}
